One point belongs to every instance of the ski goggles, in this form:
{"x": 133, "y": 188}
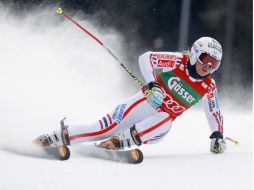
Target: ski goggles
{"x": 207, "y": 60}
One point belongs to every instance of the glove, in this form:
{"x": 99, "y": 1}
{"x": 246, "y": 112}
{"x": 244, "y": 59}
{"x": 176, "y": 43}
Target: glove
{"x": 154, "y": 94}
{"x": 218, "y": 145}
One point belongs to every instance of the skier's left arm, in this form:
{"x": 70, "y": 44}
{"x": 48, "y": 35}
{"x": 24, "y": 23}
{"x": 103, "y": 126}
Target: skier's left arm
{"x": 214, "y": 118}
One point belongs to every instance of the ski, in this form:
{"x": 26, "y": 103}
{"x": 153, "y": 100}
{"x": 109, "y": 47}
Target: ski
{"x": 60, "y": 153}
{"x": 63, "y": 152}
{"x": 133, "y": 156}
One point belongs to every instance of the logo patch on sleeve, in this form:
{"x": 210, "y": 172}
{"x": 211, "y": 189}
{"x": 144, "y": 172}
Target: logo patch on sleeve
{"x": 163, "y": 60}
{"x": 119, "y": 112}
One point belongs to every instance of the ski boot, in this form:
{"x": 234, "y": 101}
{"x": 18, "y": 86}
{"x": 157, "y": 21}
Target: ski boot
{"x": 58, "y": 140}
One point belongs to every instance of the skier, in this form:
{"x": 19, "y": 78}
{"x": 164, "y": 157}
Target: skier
{"x": 147, "y": 116}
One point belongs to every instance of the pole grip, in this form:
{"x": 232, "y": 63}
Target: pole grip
{"x": 232, "y": 140}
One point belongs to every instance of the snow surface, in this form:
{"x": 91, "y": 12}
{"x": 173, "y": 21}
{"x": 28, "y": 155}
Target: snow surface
{"x": 50, "y": 69}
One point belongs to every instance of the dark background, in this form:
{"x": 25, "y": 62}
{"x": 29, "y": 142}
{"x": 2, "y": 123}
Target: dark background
{"x": 155, "y": 25}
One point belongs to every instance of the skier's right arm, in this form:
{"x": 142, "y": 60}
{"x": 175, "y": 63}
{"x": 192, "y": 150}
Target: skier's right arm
{"x": 146, "y": 67}
{"x": 150, "y": 61}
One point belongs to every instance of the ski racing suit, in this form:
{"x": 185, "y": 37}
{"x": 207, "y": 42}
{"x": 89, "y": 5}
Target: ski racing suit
{"x": 181, "y": 91}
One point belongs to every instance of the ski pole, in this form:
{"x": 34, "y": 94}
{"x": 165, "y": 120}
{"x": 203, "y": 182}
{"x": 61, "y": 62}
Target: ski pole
{"x": 232, "y": 140}
{"x": 60, "y": 11}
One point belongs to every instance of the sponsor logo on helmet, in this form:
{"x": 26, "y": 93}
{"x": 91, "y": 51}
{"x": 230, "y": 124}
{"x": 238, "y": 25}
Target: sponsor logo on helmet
{"x": 175, "y": 84}
{"x": 195, "y": 48}
{"x": 200, "y": 43}
{"x": 215, "y": 46}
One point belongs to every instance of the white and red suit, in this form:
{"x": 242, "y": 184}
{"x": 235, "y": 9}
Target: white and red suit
{"x": 181, "y": 91}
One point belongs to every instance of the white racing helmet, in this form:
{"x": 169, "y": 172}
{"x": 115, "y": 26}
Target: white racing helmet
{"x": 206, "y": 46}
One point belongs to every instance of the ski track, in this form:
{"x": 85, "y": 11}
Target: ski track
{"x": 49, "y": 70}
{"x": 181, "y": 161}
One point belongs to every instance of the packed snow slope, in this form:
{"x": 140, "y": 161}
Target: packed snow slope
{"x": 49, "y": 69}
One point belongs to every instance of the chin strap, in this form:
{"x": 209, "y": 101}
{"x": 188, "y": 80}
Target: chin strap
{"x": 193, "y": 72}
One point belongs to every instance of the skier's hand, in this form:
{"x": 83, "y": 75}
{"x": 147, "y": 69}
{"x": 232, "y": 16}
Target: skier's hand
{"x": 154, "y": 94}
{"x": 218, "y": 145}
{"x": 112, "y": 143}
